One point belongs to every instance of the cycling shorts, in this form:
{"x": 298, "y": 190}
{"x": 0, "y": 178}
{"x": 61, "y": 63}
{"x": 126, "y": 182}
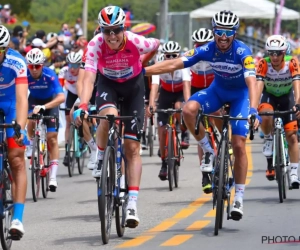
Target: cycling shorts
{"x": 71, "y": 99}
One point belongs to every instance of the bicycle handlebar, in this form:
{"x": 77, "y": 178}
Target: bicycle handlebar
{"x": 277, "y": 113}
{"x": 14, "y": 125}
{"x": 168, "y": 111}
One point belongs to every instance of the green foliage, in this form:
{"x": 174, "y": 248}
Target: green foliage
{"x": 19, "y": 6}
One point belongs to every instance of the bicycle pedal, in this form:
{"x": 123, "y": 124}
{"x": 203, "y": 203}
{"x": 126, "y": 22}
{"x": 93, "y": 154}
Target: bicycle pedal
{"x": 15, "y": 235}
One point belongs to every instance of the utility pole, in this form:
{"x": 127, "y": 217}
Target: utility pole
{"x": 164, "y": 6}
{"x": 85, "y": 17}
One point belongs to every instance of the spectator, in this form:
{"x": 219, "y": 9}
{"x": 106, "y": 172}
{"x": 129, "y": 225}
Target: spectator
{"x": 250, "y": 30}
{"x": 78, "y": 28}
{"x": 18, "y": 38}
{"x": 129, "y": 16}
{"x": 5, "y": 13}
{"x": 65, "y": 34}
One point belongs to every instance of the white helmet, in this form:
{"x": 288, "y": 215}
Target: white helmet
{"x": 51, "y": 35}
{"x": 202, "y": 35}
{"x": 276, "y": 42}
{"x": 160, "y": 58}
{"x": 4, "y": 36}
{"x": 74, "y": 57}
{"x": 226, "y": 19}
{"x": 35, "y": 56}
{"x": 111, "y": 16}
{"x": 171, "y": 47}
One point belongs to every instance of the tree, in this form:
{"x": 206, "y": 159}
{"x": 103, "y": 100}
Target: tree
{"x": 19, "y": 7}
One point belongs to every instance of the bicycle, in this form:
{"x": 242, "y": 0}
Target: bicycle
{"x": 108, "y": 186}
{"x": 77, "y": 148}
{"x": 173, "y": 150}
{"x": 6, "y": 201}
{"x": 39, "y": 162}
{"x": 280, "y": 159}
{"x": 223, "y": 176}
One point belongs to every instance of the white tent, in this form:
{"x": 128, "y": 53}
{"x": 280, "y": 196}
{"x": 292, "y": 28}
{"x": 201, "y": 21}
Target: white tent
{"x": 246, "y": 9}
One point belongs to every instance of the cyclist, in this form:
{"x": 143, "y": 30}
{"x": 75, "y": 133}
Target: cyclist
{"x": 68, "y": 77}
{"x": 234, "y": 83}
{"x": 175, "y": 88}
{"x": 277, "y": 76}
{"x": 45, "y": 96}
{"x": 202, "y": 77}
{"x": 13, "y": 101}
{"x": 116, "y": 54}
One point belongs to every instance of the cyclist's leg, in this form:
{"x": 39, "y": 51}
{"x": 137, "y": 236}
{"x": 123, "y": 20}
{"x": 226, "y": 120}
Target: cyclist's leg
{"x": 210, "y": 101}
{"x": 17, "y": 164}
{"x": 106, "y": 104}
{"x": 30, "y": 125}
{"x": 165, "y": 101}
{"x": 52, "y": 141}
{"x": 291, "y": 128}
{"x": 71, "y": 98}
{"x": 134, "y": 101}
{"x": 267, "y": 103}
{"x": 239, "y": 107}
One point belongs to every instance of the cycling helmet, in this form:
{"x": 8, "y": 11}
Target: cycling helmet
{"x": 51, "y": 35}
{"x": 202, "y": 35}
{"x": 4, "y": 36}
{"x": 35, "y": 56}
{"x": 111, "y": 16}
{"x": 171, "y": 47}
{"x": 74, "y": 57}
{"x": 276, "y": 42}
{"x": 226, "y": 19}
{"x": 160, "y": 58}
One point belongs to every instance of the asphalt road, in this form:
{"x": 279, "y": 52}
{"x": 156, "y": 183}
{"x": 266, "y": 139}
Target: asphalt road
{"x": 181, "y": 219}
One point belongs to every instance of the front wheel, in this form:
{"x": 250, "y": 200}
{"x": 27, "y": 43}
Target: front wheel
{"x": 279, "y": 165}
{"x": 83, "y": 147}
{"x": 35, "y": 170}
{"x": 171, "y": 158}
{"x": 71, "y": 151}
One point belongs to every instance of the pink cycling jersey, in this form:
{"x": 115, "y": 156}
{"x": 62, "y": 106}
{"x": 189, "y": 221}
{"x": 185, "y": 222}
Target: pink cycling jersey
{"x": 119, "y": 65}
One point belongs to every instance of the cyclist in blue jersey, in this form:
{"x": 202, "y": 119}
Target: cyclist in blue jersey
{"x": 46, "y": 94}
{"x": 234, "y": 83}
{"x": 13, "y": 101}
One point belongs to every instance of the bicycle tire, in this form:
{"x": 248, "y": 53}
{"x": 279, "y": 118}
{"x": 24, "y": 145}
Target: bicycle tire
{"x": 105, "y": 194}
{"x": 177, "y": 163}
{"x": 150, "y": 138}
{"x": 120, "y": 209}
{"x": 71, "y": 151}
{"x": 45, "y": 179}
{"x": 35, "y": 170}
{"x": 83, "y": 147}
{"x": 220, "y": 200}
{"x": 6, "y": 241}
{"x": 171, "y": 160}
{"x": 278, "y": 165}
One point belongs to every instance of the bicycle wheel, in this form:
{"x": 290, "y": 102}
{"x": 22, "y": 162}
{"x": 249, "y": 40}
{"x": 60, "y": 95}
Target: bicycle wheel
{"x": 150, "y": 138}
{"x": 171, "y": 158}
{"x": 177, "y": 162}
{"x": 83, "y": 147}
{"x": 35, "y": 170}
{"x": 71, "y": 151}
{"x": 278, "y": 166}
{"x": 45, "y": 179}
{"x": 6, "y": 241}
{"x": 105, "y": 193}
{"x": 120, "y": 209}
{"x": 219, "y": 185}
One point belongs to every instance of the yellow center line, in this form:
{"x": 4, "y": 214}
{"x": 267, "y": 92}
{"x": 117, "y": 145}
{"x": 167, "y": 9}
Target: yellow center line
{"x": 177, "y": 240}
{"x": 198, "y": 225}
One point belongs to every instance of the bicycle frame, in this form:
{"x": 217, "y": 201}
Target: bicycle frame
{"x": 279, "y": 125}
{"x": 171, "y": 124}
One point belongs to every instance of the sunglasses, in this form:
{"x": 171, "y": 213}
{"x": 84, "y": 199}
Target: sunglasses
{"x": 114, "y": 31}
{"x": 275, "y": 53}
{"x": 171, "y": 56}
{"x": 34, "y": 66}
{"x": 74, "y": 65}
{"x": 227, "y": 33}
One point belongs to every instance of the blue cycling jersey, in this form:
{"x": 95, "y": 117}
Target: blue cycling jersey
{"x": 12, "y": 71}
{"x": 230, "y": 67}
{"x": 46, "y": 86}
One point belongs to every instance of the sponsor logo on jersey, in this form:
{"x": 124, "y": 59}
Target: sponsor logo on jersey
{"x": 190, "y": 53}
{"x": 1, "y": 79}
{"x": 226, "y": 67}
{"x": 240, "y": 50}
{"x": 204, "y": 48}
{"x": 249, "y": 63}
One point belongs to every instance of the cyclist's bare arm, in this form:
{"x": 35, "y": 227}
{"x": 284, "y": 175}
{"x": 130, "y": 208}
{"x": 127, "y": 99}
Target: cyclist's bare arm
{"x": 22, "y": 103}
{"x": 60, "y": 98}
{"x": 164, "y": 67}
{"x": 186, "y": 90}
{"x": 88, "y": 82}
{"x": 79, "y": 84}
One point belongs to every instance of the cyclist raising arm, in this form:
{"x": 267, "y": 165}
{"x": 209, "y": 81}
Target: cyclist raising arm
{"x": 116, "y": 54}
{"x": 13, "y": 101}
{"x": 234, "y": 83}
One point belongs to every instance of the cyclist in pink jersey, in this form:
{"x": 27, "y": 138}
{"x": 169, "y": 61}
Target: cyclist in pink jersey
{"x": 116, "y": 54}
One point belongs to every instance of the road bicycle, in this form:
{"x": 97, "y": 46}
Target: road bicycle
{"x": 222, "y": 174}
{"x": 108, "y": 186}
{"x": 39, "y": 162}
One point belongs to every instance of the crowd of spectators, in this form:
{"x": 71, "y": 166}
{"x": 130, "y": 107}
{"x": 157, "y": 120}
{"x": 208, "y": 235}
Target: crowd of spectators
{"x": 55, "y": 45}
